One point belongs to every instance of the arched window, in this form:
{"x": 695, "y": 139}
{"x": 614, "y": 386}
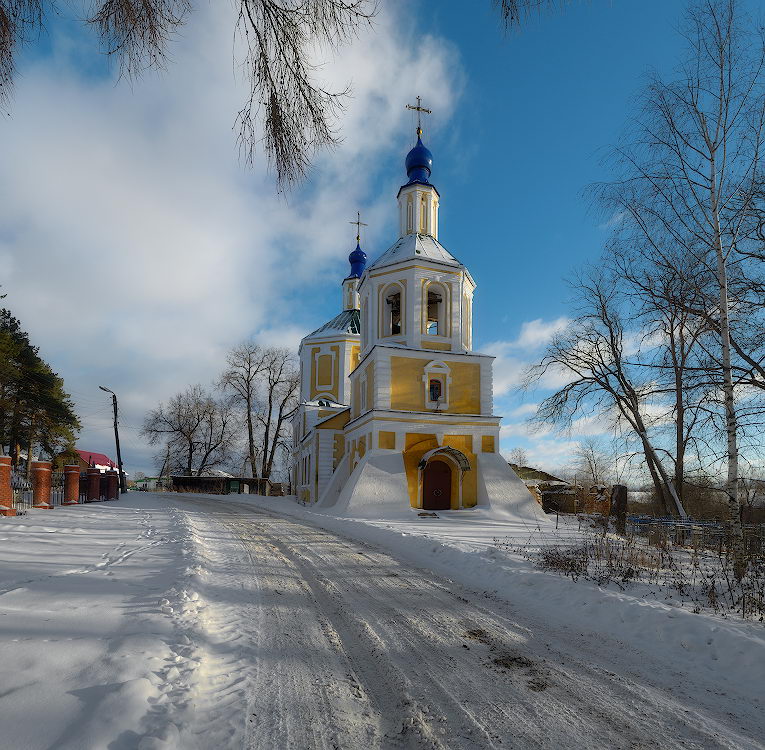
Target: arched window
{"x": 433, "y": 324}
{"x": 393, "y": 314}
{"x": 437, "y": 380}
{"x": 435, "y": 308}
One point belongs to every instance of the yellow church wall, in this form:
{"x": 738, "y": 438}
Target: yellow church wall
{"x": 355, "y": 349}
{"x": 406, "y": 388}
{"x": 386, "y": 440}
{"x": 416, "y": 445}
{"x": 325, "y": 371}
{"x": 465, "y": 390}
{"x": 487, "y": 443}
{"x": 440, "y": 346}
{"x": 408, "y": 391}
{"x": 362, "y": 447}
{"x": 337, "y": 422}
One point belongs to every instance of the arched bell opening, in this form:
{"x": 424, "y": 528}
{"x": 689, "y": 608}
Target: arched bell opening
{"x": 441, "y": 472}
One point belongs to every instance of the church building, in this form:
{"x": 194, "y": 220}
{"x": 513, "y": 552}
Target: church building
{"x": 396, "y": 409}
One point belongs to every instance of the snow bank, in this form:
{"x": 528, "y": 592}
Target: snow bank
{"x": 500, "y": 489}
{"x": 377, "y": 487}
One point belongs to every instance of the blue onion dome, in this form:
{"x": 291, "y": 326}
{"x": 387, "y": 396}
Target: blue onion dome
{"x": 358, "y": 261}
{"x": 419, "y": 162}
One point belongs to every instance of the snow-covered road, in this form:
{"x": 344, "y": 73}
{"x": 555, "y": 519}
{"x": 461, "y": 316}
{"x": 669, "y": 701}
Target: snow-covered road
{"x": 351, "y": 648}
{"x": 181, "y": 622}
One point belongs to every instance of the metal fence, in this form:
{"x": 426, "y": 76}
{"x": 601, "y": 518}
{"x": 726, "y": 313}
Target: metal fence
{"x": 22, "y": 490}
{"x": 711, "y": 535}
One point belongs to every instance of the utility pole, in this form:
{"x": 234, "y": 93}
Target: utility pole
{"x": 123, "y": 488}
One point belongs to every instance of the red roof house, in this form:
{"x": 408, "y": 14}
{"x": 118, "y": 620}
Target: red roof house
{"x": 91, "y": 458}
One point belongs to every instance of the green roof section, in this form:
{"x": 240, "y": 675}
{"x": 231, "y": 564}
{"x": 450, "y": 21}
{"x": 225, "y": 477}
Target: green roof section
{"x": 348, "y": 321}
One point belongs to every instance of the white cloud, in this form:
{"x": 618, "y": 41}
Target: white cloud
{"x": 524, "y": 410}
{"x": 514, "y": 357}
{"x": 536, "y": 333}
{"x": 136, "y": 248}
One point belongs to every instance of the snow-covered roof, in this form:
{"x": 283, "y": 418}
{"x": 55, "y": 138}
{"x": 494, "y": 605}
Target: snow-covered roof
{"x": 326, "y": 403}
{"x": 413, "y": 246}
{"x": 95, "y": 459}
{"x": 348, "y": 321}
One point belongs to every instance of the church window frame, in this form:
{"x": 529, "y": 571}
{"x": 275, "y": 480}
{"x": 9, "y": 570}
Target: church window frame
{"x": 437, "y": 372}
{"x": 435, "y": 389}
{"x": 362, "y": 394}
{"x": 323, "y": 368}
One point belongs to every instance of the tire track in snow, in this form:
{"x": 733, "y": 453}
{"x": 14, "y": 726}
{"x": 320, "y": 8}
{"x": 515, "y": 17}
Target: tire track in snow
{"x": 337, "y": 644}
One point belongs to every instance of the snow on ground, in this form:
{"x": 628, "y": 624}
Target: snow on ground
{"x": 461, "y": 545}
{"x": 85, "y": 644}
{"x": 170, "y": 621}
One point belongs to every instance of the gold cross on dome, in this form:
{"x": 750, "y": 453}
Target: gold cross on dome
{"x": 419, "y": 109}
{"x": 359, "y": 223}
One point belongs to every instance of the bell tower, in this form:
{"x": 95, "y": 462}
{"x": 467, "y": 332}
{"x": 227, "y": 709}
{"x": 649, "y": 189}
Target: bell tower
{"x": 418, "y": 199}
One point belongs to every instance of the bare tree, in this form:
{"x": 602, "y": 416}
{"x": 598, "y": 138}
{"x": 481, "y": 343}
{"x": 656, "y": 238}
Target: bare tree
{"x": 604, "y": 378}
{"x": 690, "y": 171}
{"x": 514, "y": 12}
{"x": 592, "y": 464}
{"x": 286, "y": 109}
{"x": 197, "y": 429}
{"x": 247, "y": 364}
{"x": 659, "y": 295}
{"x": 518, "y": 456}
{"x": 281, "y": 382}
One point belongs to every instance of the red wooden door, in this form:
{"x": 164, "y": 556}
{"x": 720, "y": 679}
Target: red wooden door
{"x": 437, "y": 486}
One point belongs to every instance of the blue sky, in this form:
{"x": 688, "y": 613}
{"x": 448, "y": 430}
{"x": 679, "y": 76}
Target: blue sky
{"x": 159, "y": 250}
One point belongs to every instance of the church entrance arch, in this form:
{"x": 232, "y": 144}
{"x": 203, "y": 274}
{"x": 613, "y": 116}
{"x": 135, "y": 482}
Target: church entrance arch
{"x": 440, "y": 469}
{"x": 437, "y": 485}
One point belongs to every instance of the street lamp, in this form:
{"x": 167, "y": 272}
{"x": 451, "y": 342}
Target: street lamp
{"x": 116, "y": 438}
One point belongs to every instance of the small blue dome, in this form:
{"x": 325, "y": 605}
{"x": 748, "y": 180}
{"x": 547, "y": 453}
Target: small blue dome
{"x": 358, "y": 261}
{"x": 419, "y": 162}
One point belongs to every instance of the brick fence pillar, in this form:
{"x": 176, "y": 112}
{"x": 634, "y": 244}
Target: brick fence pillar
{"x": 6, "y": 491}
{"x": 71, "y": 484}
{"x": 41, "y": 485}
{"x": 112, "y": 485}
{"x": 93, "y": 494}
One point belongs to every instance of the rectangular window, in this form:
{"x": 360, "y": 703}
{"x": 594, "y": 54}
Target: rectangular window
{"x": 435, "y": 390}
